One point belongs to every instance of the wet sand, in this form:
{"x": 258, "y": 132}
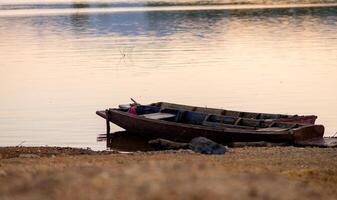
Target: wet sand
{"x": 242, "y": 173}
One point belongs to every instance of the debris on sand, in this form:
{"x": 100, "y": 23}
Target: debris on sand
{"x": 206, "y": 146}
{"x": 198, "y": 145}
{"x": 162, "y": 144}
{"x": 28, "y": 155}
{"x": 37, "y": 152}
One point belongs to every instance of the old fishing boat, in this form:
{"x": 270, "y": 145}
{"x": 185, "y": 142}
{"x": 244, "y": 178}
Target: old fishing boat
{"x": 183, "y": 123}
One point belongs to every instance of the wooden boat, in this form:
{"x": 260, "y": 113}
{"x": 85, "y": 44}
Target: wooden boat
{"x": 183, "y": 123}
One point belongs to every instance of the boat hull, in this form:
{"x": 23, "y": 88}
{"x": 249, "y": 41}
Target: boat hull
{"x": 185, "y": 132}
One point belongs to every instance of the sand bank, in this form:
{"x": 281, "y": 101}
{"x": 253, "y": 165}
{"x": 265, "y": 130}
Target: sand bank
{"x": 254, "y": 173}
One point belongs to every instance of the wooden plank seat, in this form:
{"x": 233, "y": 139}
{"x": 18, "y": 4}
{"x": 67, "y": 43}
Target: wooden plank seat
{"x": 222, "y": 125}
{"x": 159, "y": 115}
{"x": 273, "y": 129}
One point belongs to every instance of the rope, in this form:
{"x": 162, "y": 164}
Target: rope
{"x": 334, "y": 134}
{"x": 20, "y": 144}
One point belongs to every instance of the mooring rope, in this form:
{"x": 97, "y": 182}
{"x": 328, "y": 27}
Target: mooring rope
{"x": 334, "y": 134}
{"x": 20, "y": 144}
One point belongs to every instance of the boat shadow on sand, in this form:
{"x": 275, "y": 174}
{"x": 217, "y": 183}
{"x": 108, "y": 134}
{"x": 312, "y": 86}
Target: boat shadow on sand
{"x": 125, "y": 141}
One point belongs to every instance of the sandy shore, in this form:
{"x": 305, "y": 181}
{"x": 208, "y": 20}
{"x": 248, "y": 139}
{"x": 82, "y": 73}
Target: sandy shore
{"x": 253, "y": 173}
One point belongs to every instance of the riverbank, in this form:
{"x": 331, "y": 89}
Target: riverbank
{"x": 255, "y": 173}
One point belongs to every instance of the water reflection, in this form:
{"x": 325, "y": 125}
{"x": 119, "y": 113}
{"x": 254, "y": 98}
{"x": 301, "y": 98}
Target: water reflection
{"x": 170, "y": 22}
{"x": 166, "y": 23}
{"x": 80, "y": 21}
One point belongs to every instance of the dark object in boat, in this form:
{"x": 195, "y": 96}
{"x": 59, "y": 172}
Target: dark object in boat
{"x": 206, "y": 146}
{"x": 181, "y": 124}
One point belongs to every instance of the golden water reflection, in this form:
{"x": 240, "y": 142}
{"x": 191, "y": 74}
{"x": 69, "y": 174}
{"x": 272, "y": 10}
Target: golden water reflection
{"x": 56, "y": 71}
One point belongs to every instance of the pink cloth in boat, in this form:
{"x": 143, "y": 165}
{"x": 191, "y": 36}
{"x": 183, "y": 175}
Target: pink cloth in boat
{"x": 132, "y": 110}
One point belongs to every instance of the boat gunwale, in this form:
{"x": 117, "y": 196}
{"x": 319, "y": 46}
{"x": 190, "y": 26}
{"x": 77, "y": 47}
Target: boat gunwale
{"x": 289, "y": 116}
{"x": 201, "y": 127}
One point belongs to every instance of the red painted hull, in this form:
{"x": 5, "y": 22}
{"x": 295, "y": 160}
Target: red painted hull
{"x": 299, "y": 119}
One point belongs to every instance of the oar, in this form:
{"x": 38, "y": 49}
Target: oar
{"x": 135, "y": 102}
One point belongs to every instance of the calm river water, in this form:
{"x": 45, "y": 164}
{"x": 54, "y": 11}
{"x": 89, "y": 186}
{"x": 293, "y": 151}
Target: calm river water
{"x": 60, "y": 62}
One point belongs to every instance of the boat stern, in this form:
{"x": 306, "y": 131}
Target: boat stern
{"x": 307, "y": 133}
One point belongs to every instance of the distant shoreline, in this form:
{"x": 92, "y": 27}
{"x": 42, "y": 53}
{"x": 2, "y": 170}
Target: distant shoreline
{"x": 79, "y": 11}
